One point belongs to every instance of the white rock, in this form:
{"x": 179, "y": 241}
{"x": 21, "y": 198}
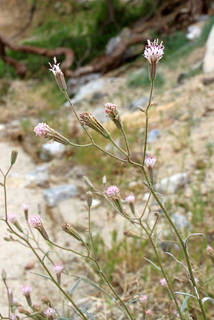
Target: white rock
{"x": 180, "y": 221}
{"x": 208, "y": 65}
{"x": 88, "y": 89}
{"x": 95, "y": 203}
{"x": 52, "y": 150}
{"x": 38, "y": 176}
{"x": 193, "y": 32}
{"x": 54, "y": 195}
{"x": 173, "y": 183}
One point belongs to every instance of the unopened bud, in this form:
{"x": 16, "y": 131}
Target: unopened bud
{"x": 46, "y": 300}
{"x": 24, "y": 311}
{"x": 89, "y": 120}
{"x": 26, "y": 209}
{"x": 3, "y": 275}
{"x": 70, "y": 230}
{"x": 36, "y": 222}
{"x": 112, "y": 112}
{"x": 210, "y": 251}
{"x": 131, "y": 234}
{"x": 89, "y": 198}
{"x": 13, "y": 157}
{"x": 58, "y": 74}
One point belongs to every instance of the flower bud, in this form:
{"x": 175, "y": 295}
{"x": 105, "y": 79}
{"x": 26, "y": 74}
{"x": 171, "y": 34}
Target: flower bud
{"x": 89, "y": 198}
{"x": 143, "y": 299}
{"x": 58, "y": 74}
{"x": 26, "y": 209}
{"x": 88, "y": 120}
{"x": 153, "y": 53}
{"x": 50, "y": 313}
{"x": 13, "y": 157}
{"x": 210, "y": 251}
{"x": 70, "y": 230}
{"x": 26, "y": 290}
{"x": 42, "y": 130}
{"x": 36, "y": 222}
{"x": 111, "y": 111}
{"x": 58, "y": 268}
{"x": 46, "y": 300}
{"x": 163, "y": 282}
{"x": 12, "y": 219}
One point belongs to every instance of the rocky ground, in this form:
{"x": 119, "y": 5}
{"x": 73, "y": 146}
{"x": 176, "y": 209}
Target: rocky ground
{"x": 180, "y": 136}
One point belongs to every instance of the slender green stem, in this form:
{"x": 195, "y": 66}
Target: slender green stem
{"x": 101, "y": 272}
{"x": 81, "y": 314}
{"x": 146, "y": 205}
{"x": 170, "y": 288}
{"x": 67, "y": 249}
{"x": 118, "y": 147}
{"x": 147, "y": 120}
{"x": 181, "y": 243}
{"x": 126, "y": 141}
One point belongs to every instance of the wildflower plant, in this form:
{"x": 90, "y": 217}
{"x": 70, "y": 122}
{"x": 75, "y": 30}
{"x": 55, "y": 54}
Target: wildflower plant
{"x": 126, "y": 208}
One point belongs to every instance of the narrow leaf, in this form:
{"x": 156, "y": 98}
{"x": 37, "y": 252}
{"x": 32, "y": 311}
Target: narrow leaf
{"x": 184, "y": 304}
{"x": 75, "y": 286}
{"x": 154, "y": 265}
{"x": 206, "y": 299}
{"x": 185, "y": 294}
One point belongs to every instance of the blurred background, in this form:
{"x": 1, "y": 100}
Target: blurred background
{"x": 100, "y": 44}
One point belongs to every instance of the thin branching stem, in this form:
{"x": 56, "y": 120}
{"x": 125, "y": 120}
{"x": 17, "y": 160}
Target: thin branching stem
{"x": 123, "y": 305}
{"x": 147, "y": 120}
{"x": 170, "y": 288}
{"x": 180, "y": 241}
{"x": 81, "y": 314}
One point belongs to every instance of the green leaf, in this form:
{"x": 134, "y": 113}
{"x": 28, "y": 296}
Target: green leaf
{"x": 185, "y": 294}
{"x": 154, "y": 265}
{"x": 184, "y": 304}
{"x": 75, "y": 286}
{"x": 206, "y": 299}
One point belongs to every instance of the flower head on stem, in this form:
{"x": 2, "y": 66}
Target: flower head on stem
{"x": 130, "y": 198}
{"x": 150, "y": 161}
{"x": 87, "y": 119}
{"x": 12, "y": 217}
{"x": 111, "y": 111}
{"x": 42, "y": 130}
{"x": 153, "y": 53}
{"x": 26, "y": 291}
{"x": 58, "y": 74}
{"x": 36, "y": 222}
{"x": 163, "y": 282}
{"x": 58, "y": 268}
{"x": 113, "y": 192}
{"x": 143, "y": 298}
{"x": 50, "y": 313}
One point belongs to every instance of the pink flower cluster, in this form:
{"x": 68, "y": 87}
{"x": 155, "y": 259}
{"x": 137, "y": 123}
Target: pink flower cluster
{"x": 49, "y": 312}
{"x": 25, "y": 207}
{"x": 58, "y": 268}
{"x": 143, "y": 299}
{"x": 41, "y": 130}
{"x": 163, "y": 282}
{"x": 26, "y": 290}
{"x": 113, "y": 192}
{"x": 154, "y": 51}
{"x": 110, "y": 107}
{"x": 130, "y": 198}
{"x": 35, "y": 221}
{"x": 12, "y": 217}
{"x": 150, "y": 161}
